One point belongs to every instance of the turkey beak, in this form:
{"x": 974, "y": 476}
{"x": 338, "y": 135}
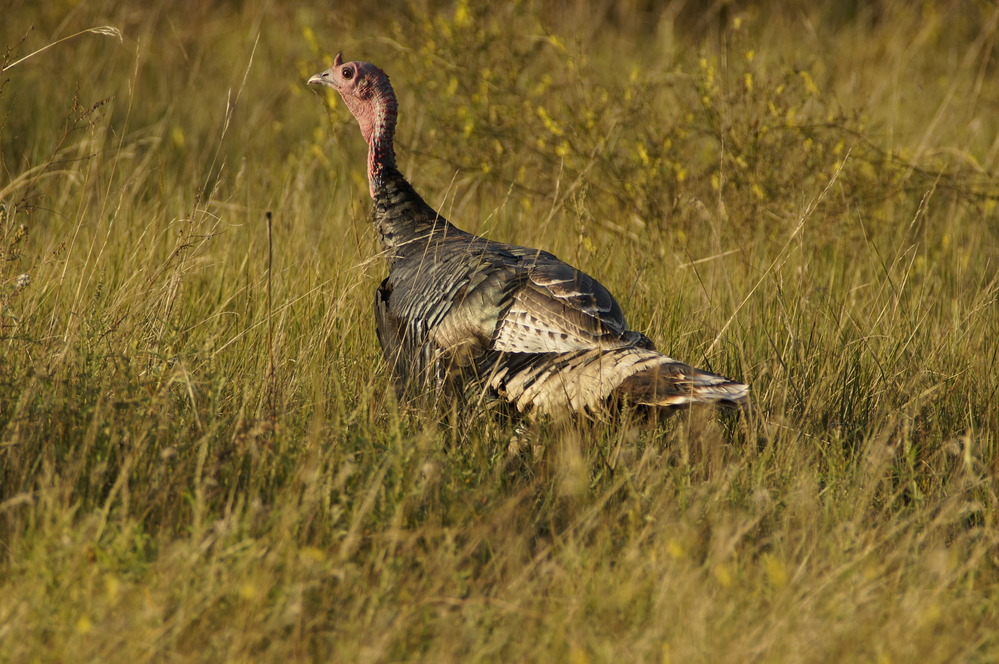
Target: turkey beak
{"x": 325, "y": 78}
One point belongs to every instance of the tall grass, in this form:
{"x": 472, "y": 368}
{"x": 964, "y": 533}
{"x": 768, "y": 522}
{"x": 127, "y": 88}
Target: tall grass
{"x": 201, "y": 458}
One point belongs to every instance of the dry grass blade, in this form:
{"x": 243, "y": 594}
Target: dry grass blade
{"x": 106, "y": 30}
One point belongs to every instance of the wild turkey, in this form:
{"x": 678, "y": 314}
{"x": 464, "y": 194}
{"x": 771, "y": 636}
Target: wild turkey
{"x": 461, "y": 313}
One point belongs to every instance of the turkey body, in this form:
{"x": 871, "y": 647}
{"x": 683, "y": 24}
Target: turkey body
{"x": 459, "y": 314}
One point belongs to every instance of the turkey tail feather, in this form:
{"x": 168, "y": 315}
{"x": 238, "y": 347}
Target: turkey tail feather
{"x": 583, "y": 380}
{"x": 672, "y": 383}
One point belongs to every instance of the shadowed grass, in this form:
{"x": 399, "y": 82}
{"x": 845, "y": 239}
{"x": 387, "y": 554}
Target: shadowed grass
{"x": 204, "y": 461}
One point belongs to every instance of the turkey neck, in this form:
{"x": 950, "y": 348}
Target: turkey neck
{"x": 405, "y": 223}
{"x": 381, "y": 148}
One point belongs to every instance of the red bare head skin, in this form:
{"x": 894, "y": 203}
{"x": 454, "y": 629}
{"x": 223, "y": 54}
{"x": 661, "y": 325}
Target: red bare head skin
{"x": 366, "y": 91}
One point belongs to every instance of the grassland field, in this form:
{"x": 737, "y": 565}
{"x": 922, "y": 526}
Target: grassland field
{"x": 201, "y": 455}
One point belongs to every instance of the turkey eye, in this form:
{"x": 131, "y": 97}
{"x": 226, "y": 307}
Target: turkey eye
{"x": 347, "y": 72}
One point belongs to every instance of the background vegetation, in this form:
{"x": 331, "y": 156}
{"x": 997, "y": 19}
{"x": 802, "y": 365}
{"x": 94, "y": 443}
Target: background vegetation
{"x": 201, "y": 459}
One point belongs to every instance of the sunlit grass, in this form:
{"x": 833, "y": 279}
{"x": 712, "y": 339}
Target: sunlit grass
{"x": 202, "y": 458}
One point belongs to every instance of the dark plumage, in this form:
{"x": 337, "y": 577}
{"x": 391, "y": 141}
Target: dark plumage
{"x": 458, "y": 311}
